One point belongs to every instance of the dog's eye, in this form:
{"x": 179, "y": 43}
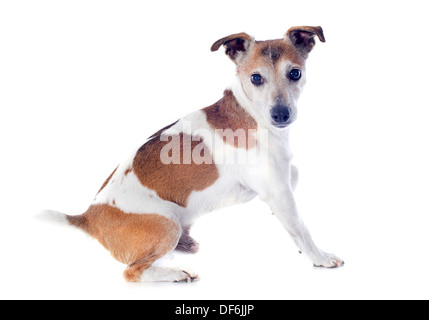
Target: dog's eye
{"x": 295, "y": 74}
{"x": 257, "y": 79}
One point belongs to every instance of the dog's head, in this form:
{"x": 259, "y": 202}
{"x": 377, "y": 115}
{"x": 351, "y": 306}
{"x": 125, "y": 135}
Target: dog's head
{"x": 272, "y": 72}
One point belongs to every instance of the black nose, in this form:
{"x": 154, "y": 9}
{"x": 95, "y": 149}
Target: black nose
{"x": 280, "y": 115}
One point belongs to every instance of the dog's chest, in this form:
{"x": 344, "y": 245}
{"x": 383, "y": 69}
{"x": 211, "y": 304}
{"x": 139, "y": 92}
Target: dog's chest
{"x": 225, "y": 192}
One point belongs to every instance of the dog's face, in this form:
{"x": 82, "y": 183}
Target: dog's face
{"x": 272, "y": 73}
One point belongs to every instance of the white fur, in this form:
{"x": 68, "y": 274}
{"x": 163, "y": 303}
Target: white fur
{"x": 125, "y": 192}
{"x": 275, "y": 185}
{"x": 52, "y": 216}
{"x": 165, "y": 274}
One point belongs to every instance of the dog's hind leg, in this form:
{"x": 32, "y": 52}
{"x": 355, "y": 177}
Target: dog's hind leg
{"x": 137, "y": 240}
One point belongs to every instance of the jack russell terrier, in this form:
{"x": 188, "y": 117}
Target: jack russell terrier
{"x": 224, "y": 154}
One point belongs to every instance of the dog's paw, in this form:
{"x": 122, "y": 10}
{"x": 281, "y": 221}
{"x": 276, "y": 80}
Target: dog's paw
{"x": 328, "y": 260}
{"x": 186, "y": 276}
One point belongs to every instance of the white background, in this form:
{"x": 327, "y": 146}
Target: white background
{"x": 83, "y": 82}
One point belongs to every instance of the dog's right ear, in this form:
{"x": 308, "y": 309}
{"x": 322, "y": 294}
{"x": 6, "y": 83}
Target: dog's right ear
{"x": 236, "y": 45}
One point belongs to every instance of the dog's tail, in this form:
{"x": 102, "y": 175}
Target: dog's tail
{"x": 63, "y": 219}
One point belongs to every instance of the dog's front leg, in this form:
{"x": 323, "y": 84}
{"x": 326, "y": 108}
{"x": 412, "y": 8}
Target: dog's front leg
{"x": 279, "y": 196}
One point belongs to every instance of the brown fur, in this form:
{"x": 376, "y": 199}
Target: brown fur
{"x": 134, "y": 239}
{"x": 173, "y": 182}
{"x": 270, "y": 53}
{"x": 107, "y": 180}
{"x": 274, "y": 51}
{"x": 228, "y": 114}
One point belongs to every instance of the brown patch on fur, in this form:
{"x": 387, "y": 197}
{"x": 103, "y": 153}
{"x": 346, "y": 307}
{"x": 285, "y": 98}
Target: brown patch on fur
{"x": 228, "y": 114}
{"x": 174, "y": 182}
{"x": 107, "y": 180}
{"x": 134, "y": 239}
{"x": 272, "y": 52}
{"x": 128, "y": 171}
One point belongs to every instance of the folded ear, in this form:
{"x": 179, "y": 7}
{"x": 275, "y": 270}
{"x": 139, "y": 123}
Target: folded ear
{"x": 303, "y": 38}
{"x": 237, "y": 45}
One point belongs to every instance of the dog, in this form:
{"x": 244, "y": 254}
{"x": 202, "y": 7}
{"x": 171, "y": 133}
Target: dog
{"x": 146, "y": 207}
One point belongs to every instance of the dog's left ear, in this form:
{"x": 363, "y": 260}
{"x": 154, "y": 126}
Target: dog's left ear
{"x": 303, "y": 38}
{"x": 236, "y": 45}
